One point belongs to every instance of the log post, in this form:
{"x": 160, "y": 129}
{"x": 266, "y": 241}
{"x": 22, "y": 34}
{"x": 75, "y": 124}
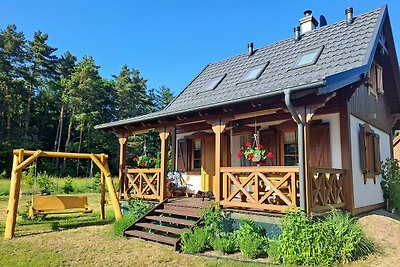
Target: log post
{"x": 14, "y": 195}
{"x": 218, "y": 127}
{"x": 164, "y": 133}
{"x": 122, "y": 162}
{"x": 103, "y": 189}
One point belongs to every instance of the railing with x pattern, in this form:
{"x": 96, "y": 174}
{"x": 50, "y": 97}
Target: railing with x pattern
{"x": 144, "y": 183}
{"x": 268, "y": 188}
{"x": 326, "y": 189}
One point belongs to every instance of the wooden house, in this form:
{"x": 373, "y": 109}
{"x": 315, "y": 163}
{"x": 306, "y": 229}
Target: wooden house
{"x": 323, "y": 102}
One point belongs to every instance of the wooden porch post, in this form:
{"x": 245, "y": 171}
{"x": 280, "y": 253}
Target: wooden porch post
{"x": 122, "y": 162}
{"x": 164, "y": 133}
{"x": 218, "y": 128}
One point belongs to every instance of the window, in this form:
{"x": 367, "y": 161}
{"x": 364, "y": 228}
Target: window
{"x": 196, "y": 154}
{"x": 213, "y": 83}
{"x": 369, "y": 153}
{"x": 290, "y": 152}
{"x": 375, "y": 76}
{"x": 307, "y": 58}
{"x": 253, "y": 73}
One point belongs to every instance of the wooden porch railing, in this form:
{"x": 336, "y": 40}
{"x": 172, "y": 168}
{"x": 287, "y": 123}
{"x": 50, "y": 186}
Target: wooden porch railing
{"x": 326, "y": 189}
{"x": 144, "y": 183}
{"x": 268, "y": 188}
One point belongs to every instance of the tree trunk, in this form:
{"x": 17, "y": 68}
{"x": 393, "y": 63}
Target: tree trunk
{"x": 79, "y": 150}
{"x": 28, "y": 109}
{"x": 57, "y": 141}
{"x": 68, "y": 136}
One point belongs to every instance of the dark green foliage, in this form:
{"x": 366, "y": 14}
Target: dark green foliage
{"x": 327, "y": 241}
{"x": 68, "y": 185}
{"x": 95, "y": 183}
{"x": 215, "y": 219}
{"x": 137, "y": 208}
{"x": 196, "y": 240}
{"x": 251, "y": 239}
{"x": 225, "y": 243}
{"x": 391, "y": 183}
{"x": 44, "y": 182}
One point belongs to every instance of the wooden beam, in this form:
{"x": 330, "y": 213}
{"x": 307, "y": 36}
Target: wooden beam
{"x": 102, "y": 189}
{"x": 218, "y": 128}
{"x": 50, "y": 154}
{"x": 14, "y": 196}
{"x": 255, "y": 114}
{"x": 122, "y": 163}
{"x": 28, "y": 161}
{"x": 110, "y": 186}
{"x": 164, "y": 163}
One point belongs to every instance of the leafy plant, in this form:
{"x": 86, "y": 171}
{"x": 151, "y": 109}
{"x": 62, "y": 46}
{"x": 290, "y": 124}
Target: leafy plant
{"x": 251, "y": 239}
{"x": 226, "y": 243}
{"x": 68, "y": 185}
{"x": 196, "y": 240}
{"x": 391, "y": 183}
{"x": 119, "y": 226}
{"x": 44, "y": 181}
{"x": 255, "y": 153}
{"x": 215, "y": 219}
{"x": 95, "y": 183}
{"x": 145, "y": 161}
{"x": 333, "y": 239}
{"x": 3, "y": 175}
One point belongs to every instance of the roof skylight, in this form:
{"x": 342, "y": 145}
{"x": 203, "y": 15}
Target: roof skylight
{"x": 213, "y": 83}
{"x": 253, "y": 73}
{"x": 307, "y": 58}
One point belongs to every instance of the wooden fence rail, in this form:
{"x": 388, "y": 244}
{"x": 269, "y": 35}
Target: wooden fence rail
{"x": 144, "y": 183}
{"x": 326, "y": 189}
{"x": 267, "y": 188}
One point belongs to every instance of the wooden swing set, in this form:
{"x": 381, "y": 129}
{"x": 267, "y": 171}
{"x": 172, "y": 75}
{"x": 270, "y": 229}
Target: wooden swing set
{"x": 19, "y": 163}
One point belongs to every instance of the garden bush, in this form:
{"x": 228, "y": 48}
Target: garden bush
{"x": 68, "y": 185}
{"x": 391, "y": 183}
{"x": 327, "y": 241}
{"x": 225, "y": 243}
{"x": 215, "y": 219}
{"x": 196, "y": 240}
{"x": 251, "y": 239}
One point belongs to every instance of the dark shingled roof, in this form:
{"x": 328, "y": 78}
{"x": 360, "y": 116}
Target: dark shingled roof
{"x": 345, "y": 48}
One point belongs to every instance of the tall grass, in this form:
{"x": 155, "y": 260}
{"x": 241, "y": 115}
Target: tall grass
{"x": 4, "y": 187}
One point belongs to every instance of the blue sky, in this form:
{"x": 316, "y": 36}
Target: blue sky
{"x": 170, "y": 42}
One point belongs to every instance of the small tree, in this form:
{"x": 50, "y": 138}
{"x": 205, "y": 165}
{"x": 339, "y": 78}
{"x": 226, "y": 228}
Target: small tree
{"x": 391, "y": 183}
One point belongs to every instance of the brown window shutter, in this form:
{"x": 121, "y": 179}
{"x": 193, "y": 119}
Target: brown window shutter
{"x": 363, "y": 149}
{"x": 184, "y": 155}
{"x": 319, "y": 148}
{"x": 377, "y": 154}
{"x": 269, "y": 142}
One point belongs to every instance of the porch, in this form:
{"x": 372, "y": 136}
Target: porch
{"x": 262, "y": 188}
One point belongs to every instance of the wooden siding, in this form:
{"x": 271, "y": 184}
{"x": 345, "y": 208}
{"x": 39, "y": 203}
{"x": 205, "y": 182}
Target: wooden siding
{"x": 371, "y": 109}
{"x": 396, "y": 148}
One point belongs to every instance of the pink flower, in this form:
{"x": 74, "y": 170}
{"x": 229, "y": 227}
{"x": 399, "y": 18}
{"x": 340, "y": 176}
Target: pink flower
{"x": 134, "y": 159}
{"x": 250, "y": 156}
{"x": 242, "y": 148}
{"x": 270, "y": 155}
{"x": 239, "y": 155}
{"x": 259, "y": 146}
{"x": 248, "y": 144}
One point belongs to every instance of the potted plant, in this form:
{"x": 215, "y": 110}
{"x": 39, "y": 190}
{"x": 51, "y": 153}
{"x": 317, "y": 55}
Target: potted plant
{"x": 144, "y": 161}
{"x": 255, "y": 153}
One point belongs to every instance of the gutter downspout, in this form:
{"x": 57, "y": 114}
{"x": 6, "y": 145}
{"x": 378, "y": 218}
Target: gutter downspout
{"x": 300, "y": 145}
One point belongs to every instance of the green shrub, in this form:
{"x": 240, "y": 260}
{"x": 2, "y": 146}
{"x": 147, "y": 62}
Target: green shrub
{"x": 215, "y": 219}
{"x": 391, "y": 183}
{"x": 225, "y": 243}
{"x": 28, "y": 177}
{"x": 4, "y": 175}
{"x": 44, "y": 181}
{"x": 94, "y": 185}
{"x": 68, "y": 185}
{"x": 251, "y": 239}
{"x": 137, "y": 208}
{"x": 333, "y": 239}
{"x": 197, "y": 240}
{"x": 273, "y": 249}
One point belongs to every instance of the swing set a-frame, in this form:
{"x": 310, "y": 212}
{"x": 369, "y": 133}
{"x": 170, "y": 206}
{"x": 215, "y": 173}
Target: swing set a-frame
{"x": 19, "y": 163}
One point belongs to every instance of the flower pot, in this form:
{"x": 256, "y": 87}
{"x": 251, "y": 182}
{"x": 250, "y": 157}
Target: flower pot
{"x": 256, "y": 158}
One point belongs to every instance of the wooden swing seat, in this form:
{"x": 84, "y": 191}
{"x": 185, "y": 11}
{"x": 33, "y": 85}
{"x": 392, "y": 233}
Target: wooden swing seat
{"x": 45, "y": 205}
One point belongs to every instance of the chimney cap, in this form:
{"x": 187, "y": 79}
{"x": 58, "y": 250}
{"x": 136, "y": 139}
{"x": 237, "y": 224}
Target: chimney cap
{"x": 307, "y": 12}
{"x": 348, "y": 10}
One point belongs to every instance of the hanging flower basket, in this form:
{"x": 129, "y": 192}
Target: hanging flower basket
{"x": 144, "y": 161}
{"x": 255, "y": 153}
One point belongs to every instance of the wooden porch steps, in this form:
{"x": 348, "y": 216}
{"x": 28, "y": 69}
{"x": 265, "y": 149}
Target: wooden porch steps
{"x": 164, "y": 224}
